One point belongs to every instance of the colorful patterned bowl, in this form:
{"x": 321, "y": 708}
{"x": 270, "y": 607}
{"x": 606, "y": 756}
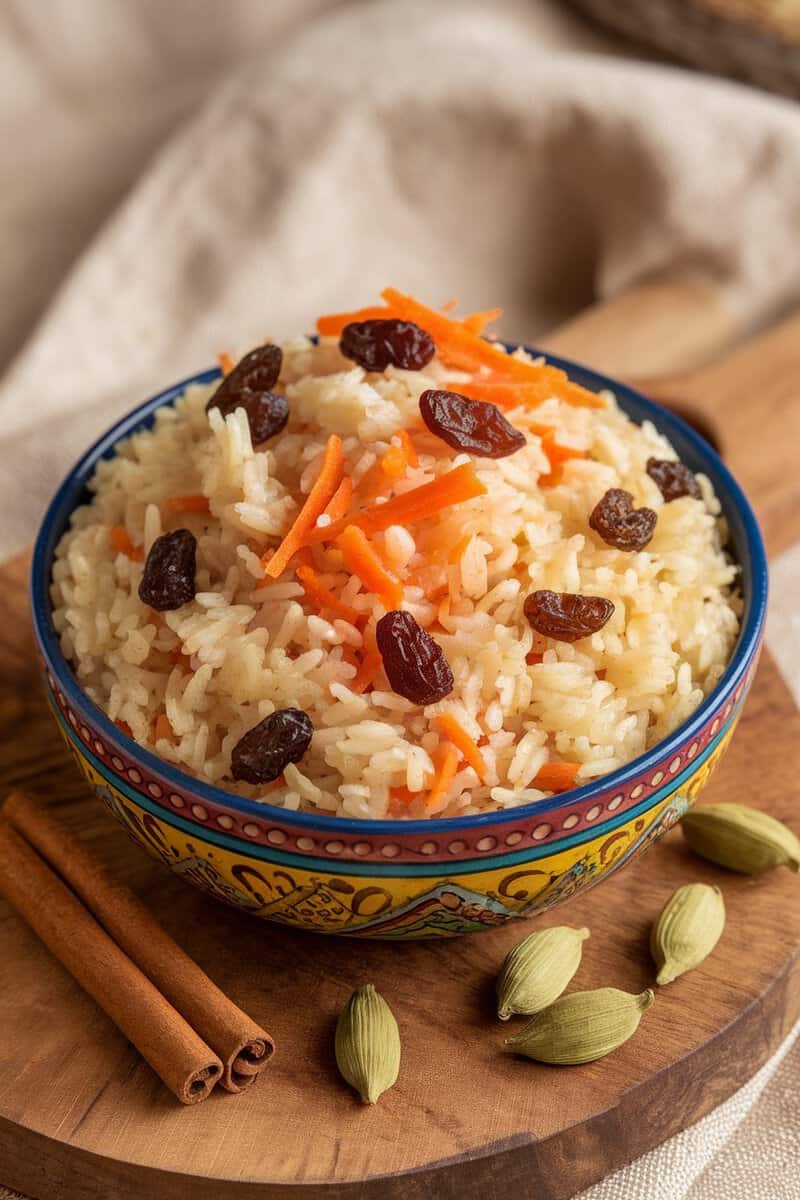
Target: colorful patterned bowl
{"x": 401, "y": 879}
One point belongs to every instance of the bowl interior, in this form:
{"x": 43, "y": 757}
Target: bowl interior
{"x": 745, "y": 543}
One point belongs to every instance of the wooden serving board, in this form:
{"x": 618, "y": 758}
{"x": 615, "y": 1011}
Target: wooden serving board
{"x": 82, "y": 1116}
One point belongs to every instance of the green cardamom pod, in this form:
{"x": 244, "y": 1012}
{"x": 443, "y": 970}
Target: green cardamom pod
{"x": 582, "y": 1027}
{"x": 367, "y": 1044}
{"x": 537, "y": 970}
{"x": 740, "y": 838}
{"x": 687, "y": 930}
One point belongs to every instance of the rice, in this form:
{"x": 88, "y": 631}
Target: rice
{"x": 191, "y": 682}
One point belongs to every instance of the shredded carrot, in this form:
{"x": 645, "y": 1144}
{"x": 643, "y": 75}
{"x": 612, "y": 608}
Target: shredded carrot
{"x": 360, "y": 558}
{"x": 394, "y": 462}
{"x": 404, "y": 795}
{"x": 443, "y": 611}
{"x": 554, "y": 382}
{"x": 226, "y": 362}
{"x": 455, "y": 733}
{"x": 121, "y": 542}
{"x": 456, "y": 344}
{"x": 322, "y": 597}
{"x": 557, "y": 455}
{"x": 325, "y": 487}
{"x": 477, "y": 322}
{"x": 371, "y": 663}
{"x": 340, "y": 500}
{"x": 457, "y": 553}
{"x": 124, "y": 727}
{"x": 390, "y": 467}
{"x": 177, "y": 654}
{"x": 333, "y": 324}
{"x": 445, "y": 762}
{"x": 162, "y": 728}
{"x": 454, "y": 487}
{"x": 408, "y": 448}
{"x": 557, "y": 776}
{"x": 459, "y": 343}
{"x": 365, "y": 675}
{"x": 186, "y": 504}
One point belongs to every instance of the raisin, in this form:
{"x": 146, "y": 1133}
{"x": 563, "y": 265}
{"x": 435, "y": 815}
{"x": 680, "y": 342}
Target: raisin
{"x": 266, "y": 750}
{"x": 248, "y": 387}
{"x": 376, "y": 345}
{"x": 469, "y": 425}
{"x": 566, "y": 616}
{"x": 673, "y": 479}
{"x": 619, "y": 523}
{"x": 414, "y": 663}
{"x": 168, "y": 578}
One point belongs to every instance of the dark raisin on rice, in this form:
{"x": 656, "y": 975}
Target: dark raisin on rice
{"x": 264, "y": 752}
{"x": 168, "y": 578}
{"x": 621, "y": 525}
{"x": 673, "y": 479}
{"x": 469, "y": 425}
{"x": 414, "y": 663}
{"x": 381, "y": 343}
{"x": 566, "y": 616}
{"x": 248, "y": 386}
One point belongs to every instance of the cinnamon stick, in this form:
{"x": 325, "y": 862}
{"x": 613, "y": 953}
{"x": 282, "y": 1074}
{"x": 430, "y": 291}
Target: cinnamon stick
{"x": 160, "y": 1034}
{"x": 242, "y": 1045}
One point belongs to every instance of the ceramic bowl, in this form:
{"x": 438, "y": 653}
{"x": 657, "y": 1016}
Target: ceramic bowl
{"x": 401, "y": 879}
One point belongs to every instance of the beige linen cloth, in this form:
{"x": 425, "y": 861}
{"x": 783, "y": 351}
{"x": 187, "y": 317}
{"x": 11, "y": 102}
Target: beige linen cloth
{"x": 187, "y": 177}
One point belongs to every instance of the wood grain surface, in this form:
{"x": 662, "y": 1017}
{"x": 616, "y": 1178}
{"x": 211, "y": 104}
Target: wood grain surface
{"x": 82, "y": 1116}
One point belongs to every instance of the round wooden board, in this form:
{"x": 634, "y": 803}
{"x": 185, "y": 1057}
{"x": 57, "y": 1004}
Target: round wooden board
{"x": 81, "y": 1115}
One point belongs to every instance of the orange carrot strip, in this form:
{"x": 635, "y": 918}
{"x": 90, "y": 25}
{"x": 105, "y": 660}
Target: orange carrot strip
{"x": 454, "y": 487}
{"x": 404, "y": 795}
{"x": 360, "y": 558}
{"x": 391, "y": 466}
{"x": 394, "y": 462}
{"x": 325, "y": 485}
{"x": 121, "y": 542}
{"x": 124, "y": 727}
{"x": 556, "y": 454}
{"x": 557, "y": 776}
{"x": 226, "y": 362}
{"x": 456, "y": 554}
{"x": 404, "y": 437}
{"x": 458, "y": 345}
{"x": 340, "y": 500}
{"x": 322, "y": 597}
{"x": 370, "y": 485}
{"x": 445, "y": 761}
{"x": 477, "y": 322}
{"x": 186, "y": 504}
{"x": 162, "y": 727}
{"x": 455, "y": 733}
{"x": 371, "y": 663}
{"x": 554, "y": 382}
{"x": 333, "y": 324}
{"x": 581, "y": 397}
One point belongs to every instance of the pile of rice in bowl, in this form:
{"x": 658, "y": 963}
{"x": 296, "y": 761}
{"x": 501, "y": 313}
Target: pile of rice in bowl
{"x": 397, "y": 573}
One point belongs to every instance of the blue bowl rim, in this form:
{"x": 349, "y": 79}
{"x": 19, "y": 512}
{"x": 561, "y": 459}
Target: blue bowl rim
{"x": 753, "y": 565}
